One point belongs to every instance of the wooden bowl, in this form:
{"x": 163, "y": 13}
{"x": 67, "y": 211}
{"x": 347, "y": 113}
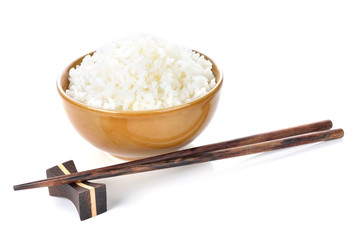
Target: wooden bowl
{"x": 138, "y": 134}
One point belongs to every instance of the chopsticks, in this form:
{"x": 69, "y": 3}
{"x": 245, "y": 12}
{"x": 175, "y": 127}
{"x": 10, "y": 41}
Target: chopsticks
{"x": 284, "y": 138}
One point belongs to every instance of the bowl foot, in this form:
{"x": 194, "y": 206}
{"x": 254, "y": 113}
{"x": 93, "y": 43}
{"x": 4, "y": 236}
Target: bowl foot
{"x": 124, "y": 159}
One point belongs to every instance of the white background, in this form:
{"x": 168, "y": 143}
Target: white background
{"x": 285, "y": 63}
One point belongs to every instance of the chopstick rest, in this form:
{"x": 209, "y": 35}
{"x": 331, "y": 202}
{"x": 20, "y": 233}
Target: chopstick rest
{"x": 89, "y": 198}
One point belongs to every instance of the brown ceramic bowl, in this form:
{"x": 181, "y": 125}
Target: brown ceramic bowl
{"x": 138, "y": 134}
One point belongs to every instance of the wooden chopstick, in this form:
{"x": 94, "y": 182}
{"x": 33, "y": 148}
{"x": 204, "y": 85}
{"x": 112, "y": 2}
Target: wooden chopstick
{"x": 238, "y": 147}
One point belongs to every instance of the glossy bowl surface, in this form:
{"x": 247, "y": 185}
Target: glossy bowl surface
{"x": 138, "y": 134}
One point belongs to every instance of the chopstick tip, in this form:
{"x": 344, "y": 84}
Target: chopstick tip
{"x": 342, "y": 132}
{"x": 19, "y": 187}
{"x": 328, "y": 124}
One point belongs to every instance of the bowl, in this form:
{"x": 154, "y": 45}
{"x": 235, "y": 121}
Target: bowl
{"x": 138, "y": 134}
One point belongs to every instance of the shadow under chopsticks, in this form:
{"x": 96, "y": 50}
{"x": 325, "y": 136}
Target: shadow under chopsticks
{"x": 120, "y": 189}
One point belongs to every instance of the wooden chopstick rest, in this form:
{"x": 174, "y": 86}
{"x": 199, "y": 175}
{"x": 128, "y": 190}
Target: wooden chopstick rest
{"x": 89, "y": 198}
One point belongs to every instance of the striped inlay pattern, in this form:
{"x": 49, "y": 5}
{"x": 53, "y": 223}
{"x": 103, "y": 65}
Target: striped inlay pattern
{"x": 90, "y": 188}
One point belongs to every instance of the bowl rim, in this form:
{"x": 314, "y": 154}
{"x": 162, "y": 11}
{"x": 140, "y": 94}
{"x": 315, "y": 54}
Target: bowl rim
{"x": 209, "y": 94}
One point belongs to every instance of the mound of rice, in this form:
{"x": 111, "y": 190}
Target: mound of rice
{"x": 140, "y": 73}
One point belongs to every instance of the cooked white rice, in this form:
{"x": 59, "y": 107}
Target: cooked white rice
{"x": 140, "y": 73}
